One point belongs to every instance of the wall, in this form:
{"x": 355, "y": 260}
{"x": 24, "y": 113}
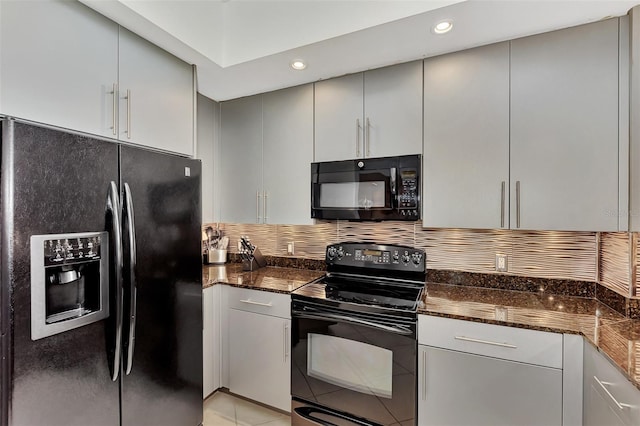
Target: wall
{"x": 208, "y": 125}
{"x": 607, "y": 258}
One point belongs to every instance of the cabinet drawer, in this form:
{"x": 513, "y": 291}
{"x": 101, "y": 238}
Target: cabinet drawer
{"x": 516, "y": 344}
{"x": 611, "y": 386}
{"x": 261, "y": 302}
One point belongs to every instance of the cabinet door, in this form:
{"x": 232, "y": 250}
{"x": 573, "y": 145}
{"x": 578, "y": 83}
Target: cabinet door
{"x": 240, "y": 160}
{"x": 156, "y": 96}
{"x": 288, "y": 153}
{"x": 211, "y": 347}
{"x": 59, "y": 65}
{"x": 259, "y": 358}
{"x": 466, "y": 139}
{"x": 339, "y": 118}
{"x": 457, "y": 388}
{"x": 393, "y": 110}
{"x": 609, "y": 397}
{"x": 564, "y": 129}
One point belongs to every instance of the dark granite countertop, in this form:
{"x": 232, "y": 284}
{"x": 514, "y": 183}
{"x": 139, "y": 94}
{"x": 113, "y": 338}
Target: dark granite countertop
{"x": 609, "y": 331}
{"x": 269, "y": 278}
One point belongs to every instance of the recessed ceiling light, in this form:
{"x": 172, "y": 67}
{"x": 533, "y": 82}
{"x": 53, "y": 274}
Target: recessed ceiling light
{"x": 443, "y": 27}
{"x": 298, "y": 64}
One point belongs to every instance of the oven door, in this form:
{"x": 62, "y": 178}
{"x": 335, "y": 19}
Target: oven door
{"x": 352, "y": 362}
{"x": 342, "y": 190}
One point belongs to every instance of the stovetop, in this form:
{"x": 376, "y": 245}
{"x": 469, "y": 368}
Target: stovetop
{"x": 370, "y": 278}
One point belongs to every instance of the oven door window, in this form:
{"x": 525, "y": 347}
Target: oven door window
{"x": 350, "y": 364}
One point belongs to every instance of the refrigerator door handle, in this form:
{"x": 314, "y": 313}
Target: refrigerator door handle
{"x": 133, "y": 297}
{"x": 113, "y": 207}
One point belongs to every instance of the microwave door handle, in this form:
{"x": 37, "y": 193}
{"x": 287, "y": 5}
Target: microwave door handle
{"x": 393, "y": 181}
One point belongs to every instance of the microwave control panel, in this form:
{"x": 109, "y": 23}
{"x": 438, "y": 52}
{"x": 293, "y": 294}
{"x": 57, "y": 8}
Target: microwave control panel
{"x": 408, "y": 192}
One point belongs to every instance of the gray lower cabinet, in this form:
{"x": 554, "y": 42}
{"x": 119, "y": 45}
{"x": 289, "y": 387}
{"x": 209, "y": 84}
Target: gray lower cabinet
{"x": 258, "y": 352}
{"x": 377, "y": 113}
{"x": 265, "y": 157}
{"x": 479, "y": 374}
{"x": 461, "y": 388}
{"x": 609, "y": 398}
{"x": 466, "y": 139}
{"x": 565, "y": 99}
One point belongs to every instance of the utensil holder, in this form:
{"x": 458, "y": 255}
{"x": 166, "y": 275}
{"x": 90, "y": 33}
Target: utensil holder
{"x": 216, "y": 256}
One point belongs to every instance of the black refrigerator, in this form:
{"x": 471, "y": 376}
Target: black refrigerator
{"x": 101, "y": 294}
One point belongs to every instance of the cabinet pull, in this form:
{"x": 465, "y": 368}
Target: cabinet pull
{"x": 615, "y": 401}
{"x": 128, "y": 98}
{"x": 367, "y": 139}
{"x": 424, "y": 375}
{"x": 251, "y": 302}
{"x": 357, "y": 137}
{"x": 114, "y": 110}
{"x": 264, "y": 207}
{"x": 517, "y": 204}
{"x": 258, "y": 207}
{"x": 502, "y": 197}
{"x": 285, "y": 330}
{"x": 486, "y": 342}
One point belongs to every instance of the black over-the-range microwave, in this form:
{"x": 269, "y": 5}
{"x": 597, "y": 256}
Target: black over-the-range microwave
{"x": 386, "y": 188}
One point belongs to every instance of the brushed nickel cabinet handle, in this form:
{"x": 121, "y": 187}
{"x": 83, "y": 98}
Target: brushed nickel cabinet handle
{"x": 615, "y": 401}
{"x": 251, "y": 302}
{"x": 518, "y": 204}
{"x": 114, "y": 108}
{"x": 424, "y": 375}
{"x": 258, "y": 217}
{"x": 486, "y": 342}
{"x": 357, "y": 137}
{"x": 264, "y": 207}
{"x": 502, "y": 199}
{"x": 128, "y": 98}
{"x": 367, "y": 139}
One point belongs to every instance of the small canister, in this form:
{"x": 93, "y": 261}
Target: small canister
{"x": 217, "y": 256}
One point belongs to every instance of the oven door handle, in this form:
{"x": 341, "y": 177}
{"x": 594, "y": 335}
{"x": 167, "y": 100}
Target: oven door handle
{"x": 307, "y": 413}
{"x": 352, "y": 320}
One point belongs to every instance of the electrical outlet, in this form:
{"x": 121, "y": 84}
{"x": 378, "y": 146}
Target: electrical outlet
{"x": 501, "y": 263}
{"x": 239, "y": 246}
{"x": 290, "y": 248}
{"x": 501, "y": 313}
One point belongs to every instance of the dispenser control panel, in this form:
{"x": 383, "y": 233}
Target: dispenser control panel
{"x": 68, "y": 250}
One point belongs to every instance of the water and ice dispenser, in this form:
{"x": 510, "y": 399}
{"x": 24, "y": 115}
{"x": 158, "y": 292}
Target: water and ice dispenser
{"x": 69, "y": 281}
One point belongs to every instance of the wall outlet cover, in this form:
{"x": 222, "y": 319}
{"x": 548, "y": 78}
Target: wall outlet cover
{"x": 502, "y": 264}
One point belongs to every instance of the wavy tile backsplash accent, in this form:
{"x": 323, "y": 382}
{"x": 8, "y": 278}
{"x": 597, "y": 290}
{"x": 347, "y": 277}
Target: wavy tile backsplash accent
{"x": 607, "y": 258}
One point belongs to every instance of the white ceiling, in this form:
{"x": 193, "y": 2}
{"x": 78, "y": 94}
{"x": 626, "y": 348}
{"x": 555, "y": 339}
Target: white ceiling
{"x": 243, "y": 47}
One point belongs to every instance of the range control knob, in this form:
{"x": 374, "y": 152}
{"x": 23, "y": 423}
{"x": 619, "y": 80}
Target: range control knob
{"x": 417, "y": 258}
{"x": 405, "y": 258}
{"x": 396, "y": 257}
{"x": 332, "y": 253}
{"x": 340, "y": 253}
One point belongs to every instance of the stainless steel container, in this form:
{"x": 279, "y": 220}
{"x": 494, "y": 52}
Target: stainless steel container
{"x": 216, "y": 256}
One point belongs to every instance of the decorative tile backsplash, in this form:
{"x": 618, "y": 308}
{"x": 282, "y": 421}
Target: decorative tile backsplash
{"x": 607, "y": 258}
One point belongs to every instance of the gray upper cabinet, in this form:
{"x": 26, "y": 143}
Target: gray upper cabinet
{"x": 265, "y": 156}
{"x": 241, "y": 169}
{"x": 287, "y": 155}
{"x": 373, "y": 114}
{"x": 63, "y": 63}
{"x": 466, "y": 139}
{"x": 59, "y": 65}
{"x": 565, "y": 129}
{"x": 156, "y": 96}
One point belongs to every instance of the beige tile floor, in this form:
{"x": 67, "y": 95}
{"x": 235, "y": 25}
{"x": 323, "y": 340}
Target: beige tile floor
{"x": 222, "y": 409}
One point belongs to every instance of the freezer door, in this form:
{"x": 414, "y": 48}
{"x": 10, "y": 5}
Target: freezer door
{"x": 164, "y": 381}
{"x": 53, "y": 183}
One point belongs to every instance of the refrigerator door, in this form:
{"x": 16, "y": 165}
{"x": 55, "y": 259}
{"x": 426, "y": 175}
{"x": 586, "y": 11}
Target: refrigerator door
{"x": 53, "y": 183}
{"x": 164, "y": 384}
